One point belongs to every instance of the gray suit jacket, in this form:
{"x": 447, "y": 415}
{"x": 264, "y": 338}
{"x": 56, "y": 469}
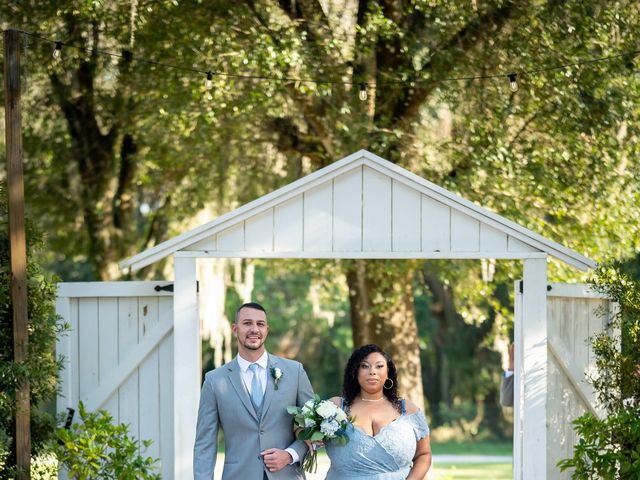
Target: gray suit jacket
{"x": 225, "y": 404}
{"x": 506, "y": 391}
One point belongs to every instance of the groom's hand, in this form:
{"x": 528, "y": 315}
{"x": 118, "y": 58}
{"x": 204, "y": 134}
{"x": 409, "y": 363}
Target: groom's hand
{"x": 276, "y": 459}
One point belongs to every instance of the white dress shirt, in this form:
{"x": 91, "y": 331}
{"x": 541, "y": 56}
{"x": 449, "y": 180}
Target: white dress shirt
{"x": 247, "y": 377}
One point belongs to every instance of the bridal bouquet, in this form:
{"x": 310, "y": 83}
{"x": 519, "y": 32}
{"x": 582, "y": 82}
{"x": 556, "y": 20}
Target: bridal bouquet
{"x": 320, "y": 420}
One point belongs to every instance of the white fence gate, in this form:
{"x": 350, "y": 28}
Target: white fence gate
{"x": 574, "y": 314}
{"x": 119, "y": 356}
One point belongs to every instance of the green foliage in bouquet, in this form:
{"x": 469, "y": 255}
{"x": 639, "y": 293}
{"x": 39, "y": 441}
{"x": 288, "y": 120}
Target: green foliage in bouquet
{"x": 95, "y": 448}
{"x": 320, "y": 421}
{"x": 609, "y": 448}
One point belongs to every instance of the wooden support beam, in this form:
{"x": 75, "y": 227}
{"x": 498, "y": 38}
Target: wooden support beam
{"x": 17, "y": 242}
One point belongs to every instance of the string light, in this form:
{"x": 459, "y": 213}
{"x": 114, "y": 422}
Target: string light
{"x": 57, "y": 51}
{"x": 513, "y": 77}
{"x": 513, "y": 82}
{"x": 363, "y": 92}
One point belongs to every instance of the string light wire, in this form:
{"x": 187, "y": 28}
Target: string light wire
{"x": 511, "y": 76}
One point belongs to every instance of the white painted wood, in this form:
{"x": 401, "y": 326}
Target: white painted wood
{"x": 259, "y": 232}
{"x": 436, "y": 226}
{"x": 407, "y": 227}
{"x": 515, "y": 245}
{"x": 128, "y": 363}
{"x": 376, "y": 211}
{"x": 128, "y": 328}
{"x": 64, "y": 348}
{"x": 166, "y": 389}
{"x": 208, "y": 243}
{"x": 147, "y": 315}
{"x": 107, "y": 336}
{"x": 128, "y": 403}
{"x": 231, "y": 239}
{"x": 576, "y": 290}
{"x": 465, "y": 233}
{"x": 88, "y": 344}
{"x": 518, "y": 384}
{"x": 186, "y": 365}
{"x": 112, "y": 289}
{"x": 149, "y": 402}
{"x": 491, "y": 239}
{"x": 534, "y": 369}
{"x": 347, "y": 212}
{"x": 288, "y": 226}
{"x": 318, "y": 218}
{"x": 360, "y": 254}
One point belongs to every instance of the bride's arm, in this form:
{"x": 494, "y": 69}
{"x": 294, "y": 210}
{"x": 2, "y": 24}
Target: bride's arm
{"x": 421, "y": 460}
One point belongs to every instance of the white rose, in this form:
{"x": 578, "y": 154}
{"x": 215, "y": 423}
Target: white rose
{"x": 329, "y": 427}
{"x": 341, "y": 416}
{"x": 327, "y": 409}
{"x": 308, "y": 423}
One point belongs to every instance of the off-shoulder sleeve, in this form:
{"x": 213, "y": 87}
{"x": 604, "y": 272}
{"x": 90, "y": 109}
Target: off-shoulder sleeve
{"x": 420, "y": 427}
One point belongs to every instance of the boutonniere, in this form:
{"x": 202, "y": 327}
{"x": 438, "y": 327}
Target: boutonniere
{"x": 276, "y": 374}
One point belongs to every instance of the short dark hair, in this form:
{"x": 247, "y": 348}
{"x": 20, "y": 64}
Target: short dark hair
{"x": 253, "y": 305}
{"x": 350, "y": 385}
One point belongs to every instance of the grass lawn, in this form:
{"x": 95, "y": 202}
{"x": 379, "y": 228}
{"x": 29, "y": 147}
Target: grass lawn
{"x": 471, "y": 448}
{"x": 473, "y": 471}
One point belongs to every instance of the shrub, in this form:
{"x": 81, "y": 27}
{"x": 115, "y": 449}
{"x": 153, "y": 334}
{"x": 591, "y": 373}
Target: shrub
{"x": 609, "y": 448}
{"x": 41, "y": 367}
{"x": 95, "y": 448}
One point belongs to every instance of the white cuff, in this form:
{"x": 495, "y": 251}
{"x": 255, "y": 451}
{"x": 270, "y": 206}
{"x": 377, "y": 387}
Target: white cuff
{"x": 293, "y": 454}
{"x": 508, "y": 373}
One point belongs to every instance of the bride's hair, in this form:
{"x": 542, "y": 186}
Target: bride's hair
{"x": 350, "y": 385}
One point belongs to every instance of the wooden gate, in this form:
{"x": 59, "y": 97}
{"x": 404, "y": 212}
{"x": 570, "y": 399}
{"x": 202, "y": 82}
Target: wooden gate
{"x": 119, "y": 356}
{"x": 574, "y": 314}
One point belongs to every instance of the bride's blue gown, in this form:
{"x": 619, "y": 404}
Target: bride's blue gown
{"x": 385, "y": 456}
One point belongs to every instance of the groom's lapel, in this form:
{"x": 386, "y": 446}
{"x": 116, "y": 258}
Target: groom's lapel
{"x": 268, "y": 394}
{"x": 238, "y": 385}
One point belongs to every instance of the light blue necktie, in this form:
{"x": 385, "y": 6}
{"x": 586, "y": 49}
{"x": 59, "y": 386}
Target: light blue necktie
{"x": 256, "y": 388}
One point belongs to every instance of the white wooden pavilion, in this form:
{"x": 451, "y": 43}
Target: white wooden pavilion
{"x": 135, "y": 347}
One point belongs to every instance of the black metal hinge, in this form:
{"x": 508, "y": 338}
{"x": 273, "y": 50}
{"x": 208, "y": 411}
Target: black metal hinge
{"x": 169, "y": 287}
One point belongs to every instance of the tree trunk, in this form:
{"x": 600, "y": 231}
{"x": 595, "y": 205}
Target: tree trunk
{"x": 382, "y": 312}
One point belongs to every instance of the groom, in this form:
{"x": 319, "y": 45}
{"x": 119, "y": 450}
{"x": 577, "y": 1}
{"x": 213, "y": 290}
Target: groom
{"x": 247, "y": 398}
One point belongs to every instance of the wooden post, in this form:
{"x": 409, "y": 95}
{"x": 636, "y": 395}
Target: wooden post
{"x": 17, "y": 242}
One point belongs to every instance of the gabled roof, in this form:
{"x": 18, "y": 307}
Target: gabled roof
{"x": 360, "y": 207}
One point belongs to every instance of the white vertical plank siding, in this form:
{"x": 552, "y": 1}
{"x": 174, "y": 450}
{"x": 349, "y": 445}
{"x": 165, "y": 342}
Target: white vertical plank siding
{"x": 231, "y": 239}
{"x": 259, "y": 232}
{"x": 186, "y": 365}
{"x": 128, "y": 404}
{"x": 111, "y": 405}
{"x": 376, "y": 211}
{"x": 148, "y": 315}
{"x": 347, "y": 212}
{"x": 534, "y": 369}
{"x": 127, "y": 326}
{"x": 492, "y": 240}
{"x": 88, "y": 346}
{"x": 107, "y": 336}
{"x": 518, "y": 386}
{"x": 318, "y": 224}
{"x": 465, "y": 233}
{"x": 67, "y": 397}
{"x": 208, "y": 243}
{"x": 436, "y": 220}
{"x": 150, "y": 403}
{"x": 287, "y": 226}
{"x": 406, "y": 218}
{"x": 515, "y": 245}
{"x": 165, "y": 393}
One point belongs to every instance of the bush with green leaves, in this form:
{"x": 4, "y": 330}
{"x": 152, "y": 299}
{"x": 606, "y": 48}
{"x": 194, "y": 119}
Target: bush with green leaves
{"x": 609, "y": 447}
{"x": 96, "y": 448}
{"x": 42, "y": 366}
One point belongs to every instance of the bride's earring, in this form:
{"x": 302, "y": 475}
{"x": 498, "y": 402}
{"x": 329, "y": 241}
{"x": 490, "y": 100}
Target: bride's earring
{"x": 385, "y": 384}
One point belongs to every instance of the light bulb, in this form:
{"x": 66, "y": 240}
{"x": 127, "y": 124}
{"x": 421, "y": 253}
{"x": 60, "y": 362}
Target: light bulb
{"x": 57, "y": 52}
{"x": 363, "y": 92}
{"x": 208, "y": 84}
{"x": 513, "y": 82}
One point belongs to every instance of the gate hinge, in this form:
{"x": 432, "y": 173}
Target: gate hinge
{"x": 169, "y": 287}
{"x": 521, "y": 286}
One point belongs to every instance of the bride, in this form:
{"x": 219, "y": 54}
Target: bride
{"x": 389, "y": 439}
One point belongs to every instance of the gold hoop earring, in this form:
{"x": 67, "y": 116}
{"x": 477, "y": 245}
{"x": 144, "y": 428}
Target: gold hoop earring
{"x": 384, "y": 385}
